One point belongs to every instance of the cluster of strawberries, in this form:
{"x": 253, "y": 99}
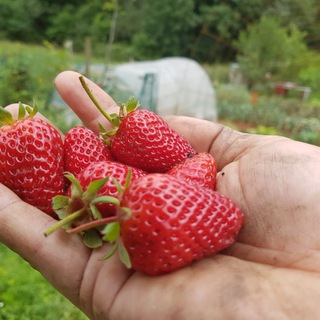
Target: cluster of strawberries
{"x": 140, "y": 186}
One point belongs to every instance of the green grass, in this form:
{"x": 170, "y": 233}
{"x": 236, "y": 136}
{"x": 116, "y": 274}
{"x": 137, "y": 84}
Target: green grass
{"x": 27, "y": 71}
{"x": 26, "y": 295}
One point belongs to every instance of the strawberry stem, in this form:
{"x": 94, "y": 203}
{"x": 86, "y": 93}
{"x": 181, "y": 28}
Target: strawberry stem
{"x": 92, "y": 224}
{"x": 64, "y": 221}
{"x": 94, "y": 100}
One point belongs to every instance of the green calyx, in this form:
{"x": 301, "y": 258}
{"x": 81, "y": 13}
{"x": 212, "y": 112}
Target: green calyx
{"x": 114, "y": 119}
{"x": 24, "y": 112}
{"x": 79, "y": 215}
{"x": 80, "y": 204}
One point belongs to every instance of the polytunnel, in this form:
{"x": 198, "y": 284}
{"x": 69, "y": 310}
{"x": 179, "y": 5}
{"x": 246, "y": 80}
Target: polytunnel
{"x": 169, "y": 86}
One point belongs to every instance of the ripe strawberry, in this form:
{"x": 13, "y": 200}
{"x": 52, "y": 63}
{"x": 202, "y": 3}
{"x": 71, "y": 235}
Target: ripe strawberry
{"x": 200, "y": 170}
{"x": 173, "y": 223}
{"x": 31, "y": 157}
{"x": 82, "y": 147}
{"x": 112, "y": 170}
{"x": 143, "y": 139}
{"x": 89, "y": 196}
{"x": 146, "y": 141}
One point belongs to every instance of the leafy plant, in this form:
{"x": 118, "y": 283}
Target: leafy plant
{"x": 271, "y": 115}
{"x": 25, "y": 295}
{"x": 266, "y": 47}
{"x": 24, "y": 78}
{"x": 16, "y": 82}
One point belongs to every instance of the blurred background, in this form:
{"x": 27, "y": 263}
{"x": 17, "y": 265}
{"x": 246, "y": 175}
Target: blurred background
{"x": 253, "y": 65}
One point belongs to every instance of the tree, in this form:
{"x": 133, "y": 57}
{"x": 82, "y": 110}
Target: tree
{"x": 74, "y": 22}
{"x": 267, "y": 47}
{"x": 17, "y": 19}
{"x": 220, "y": 24}
{"x": 165, "y": 29}
{"x": 304, "y": 14}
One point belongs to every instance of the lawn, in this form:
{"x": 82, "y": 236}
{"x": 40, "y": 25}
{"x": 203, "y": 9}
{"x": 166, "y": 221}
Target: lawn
{"x": 26, "y": 295}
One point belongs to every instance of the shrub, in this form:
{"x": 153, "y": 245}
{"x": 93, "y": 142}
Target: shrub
{"x": 16, "y": 82}
{"x": 27, "y": 72}
{"x": 271, "y": 115}
{"x": 266, "y": 47}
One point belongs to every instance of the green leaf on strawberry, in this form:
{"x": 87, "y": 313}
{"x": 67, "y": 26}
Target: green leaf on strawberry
{"x": 111, "y": 232}
{"x": 80, "y": 204}
{"x": 92, "y": 239}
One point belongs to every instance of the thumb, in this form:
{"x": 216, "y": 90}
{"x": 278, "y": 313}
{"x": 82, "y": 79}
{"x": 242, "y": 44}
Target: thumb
{"x": 222, "y": 142}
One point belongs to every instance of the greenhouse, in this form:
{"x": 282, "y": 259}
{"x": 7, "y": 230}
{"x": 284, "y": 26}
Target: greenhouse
{"x": 178, "y": 86}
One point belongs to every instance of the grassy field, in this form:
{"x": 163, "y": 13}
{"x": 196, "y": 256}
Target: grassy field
{"x": 26, "y": 295}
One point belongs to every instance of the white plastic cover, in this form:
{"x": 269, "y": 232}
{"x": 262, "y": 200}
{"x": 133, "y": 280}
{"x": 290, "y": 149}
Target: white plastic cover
{"x": 176, "y": 85}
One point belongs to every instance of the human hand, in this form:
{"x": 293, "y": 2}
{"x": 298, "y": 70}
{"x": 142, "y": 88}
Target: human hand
{"x": 272, "y": 271}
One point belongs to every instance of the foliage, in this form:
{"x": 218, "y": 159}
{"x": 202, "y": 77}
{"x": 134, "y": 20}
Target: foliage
{"x": 27, "y": 72}
{"x": 288, "y": 117}
{"x": 25, "y": 295}
{"x": 17, "y": 19}
{"x": 310, "y": 74}
{"x": 165, "y": 30}
{"x": 303, "y": 14}
{"x": 267, "y": 48}
{"x": 16, "y": 81}
{"x": 218, "y": 73}
{"x": 220, "y": 22}
{"x": 74, "y": 22}
{"x": 201, "y": 29}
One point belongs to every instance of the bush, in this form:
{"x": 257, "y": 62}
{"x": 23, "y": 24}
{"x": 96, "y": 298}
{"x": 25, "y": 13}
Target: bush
{"x": 288, "y": 117}
{"x": 266, "y": 47}
{"x": 27, "y": 72}
{"x": 310, "y": 75}
{"x": 16, "y": 82}
{"x": 218, "y": 73}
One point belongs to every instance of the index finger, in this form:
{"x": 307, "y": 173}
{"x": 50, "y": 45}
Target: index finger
{"x": 70, "y": 89}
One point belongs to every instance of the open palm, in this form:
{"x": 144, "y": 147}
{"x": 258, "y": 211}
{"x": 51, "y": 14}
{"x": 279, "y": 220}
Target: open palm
{"x": 271, "y": 272}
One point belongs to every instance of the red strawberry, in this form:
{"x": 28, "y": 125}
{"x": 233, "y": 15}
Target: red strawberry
{"x": 173, "y": 223}
{"x": 82, "y": 147}
{"x": 112, "y": 170}
{"x": 199, "y": 169}
{"x": 88, "y": 196}
{"x": 143, "y": 139}
{"x": 146, "y": 141}
{"x": 166, "y": 224}
{"x": 31, "y": 158}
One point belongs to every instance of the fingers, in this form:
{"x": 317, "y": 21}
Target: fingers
{"x": 58, "y": 257}
{"x": 72, "y": 92}
{"x": 224, "y": 143}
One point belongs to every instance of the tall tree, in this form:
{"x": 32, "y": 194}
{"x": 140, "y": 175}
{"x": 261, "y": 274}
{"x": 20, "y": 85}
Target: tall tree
{"x": 266, "y": 47}
{"x": 165, "y": 28}
{"x": 74, "y": 22}
{"x": 17, "y": 19}
{"x": 220, "y": 24}
{"x": 304, "y": 14}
